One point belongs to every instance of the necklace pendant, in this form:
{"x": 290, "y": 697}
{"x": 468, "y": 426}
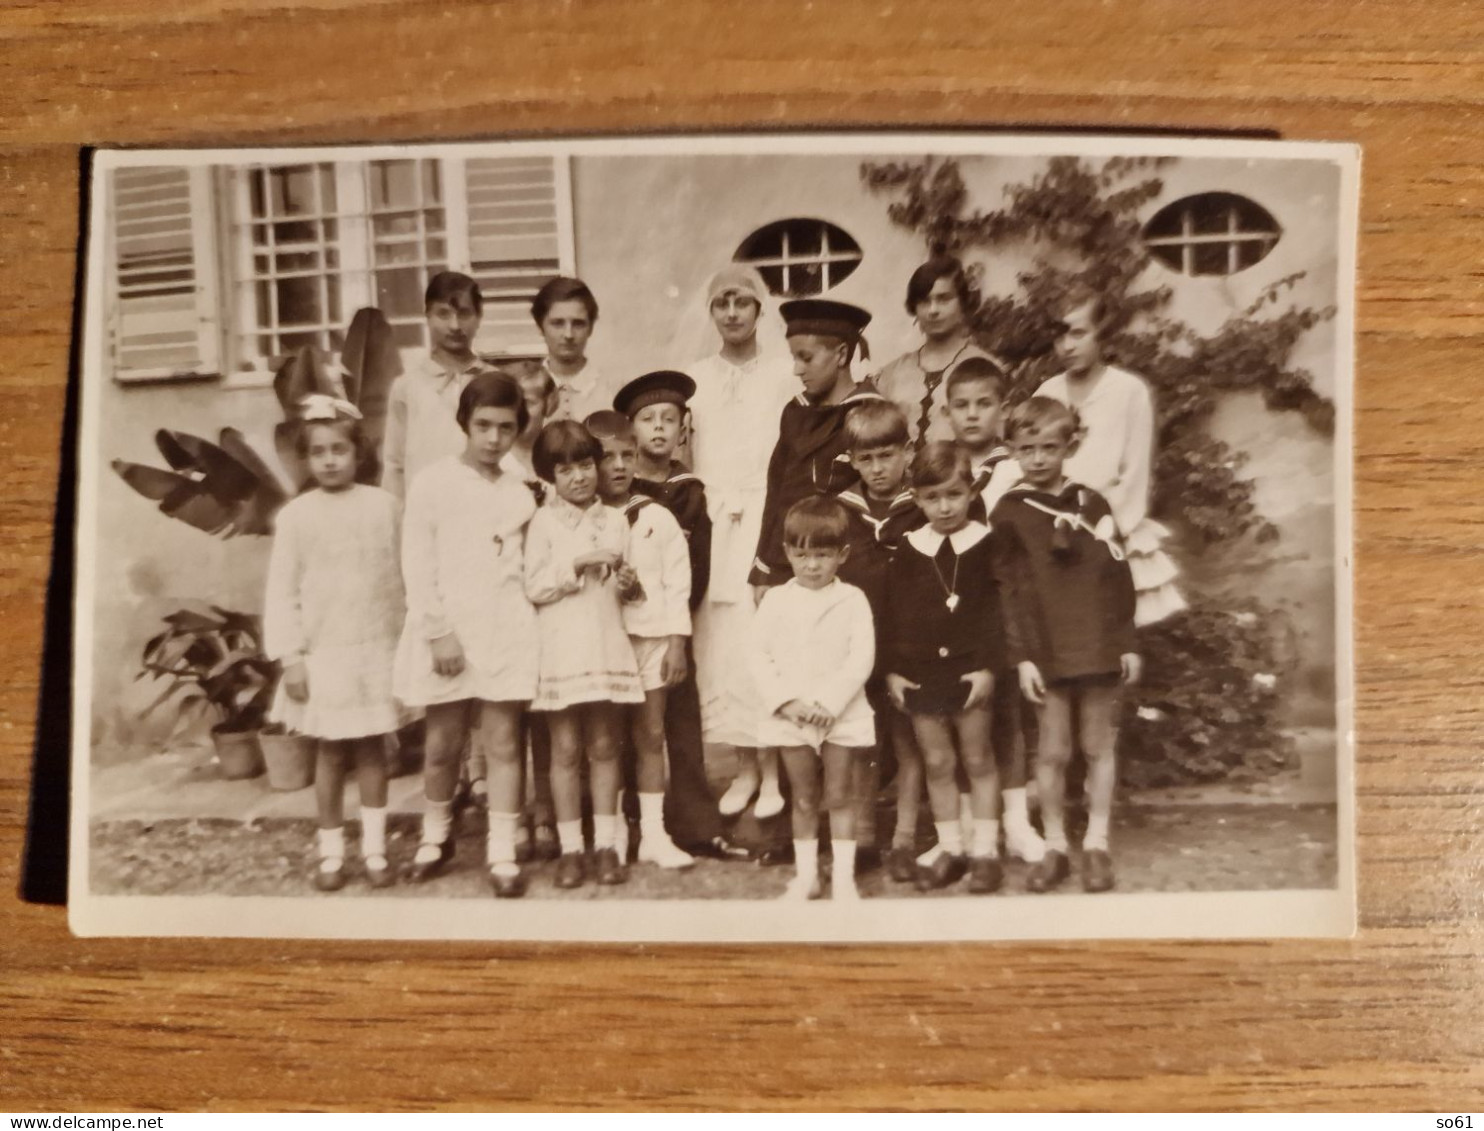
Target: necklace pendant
{"x": 952, "y": 602}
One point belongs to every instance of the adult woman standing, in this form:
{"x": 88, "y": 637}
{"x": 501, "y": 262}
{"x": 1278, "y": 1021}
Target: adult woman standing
{"x": 740, "y": 393}
{"x": 1116, "y": 455}
{"x": 942, "y": 301}
{"x": 566, "y": 313}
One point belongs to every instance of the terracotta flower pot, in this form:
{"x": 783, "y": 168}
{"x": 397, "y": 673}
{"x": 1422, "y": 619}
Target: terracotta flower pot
{"x": 290, "y": 760}
{"x": 238, "y": 753}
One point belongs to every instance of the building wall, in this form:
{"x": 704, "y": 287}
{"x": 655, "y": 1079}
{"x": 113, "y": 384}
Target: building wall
{"x": 649, "y": 231}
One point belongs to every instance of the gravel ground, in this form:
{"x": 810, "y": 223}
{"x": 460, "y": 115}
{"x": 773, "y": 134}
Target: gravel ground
{"x": 1166, "y": 848}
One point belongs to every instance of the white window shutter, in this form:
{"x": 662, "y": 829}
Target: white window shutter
{"x": 518, "y": 212}
{"x": 163, "y": 290}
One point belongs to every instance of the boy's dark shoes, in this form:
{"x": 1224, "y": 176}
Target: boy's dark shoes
{"x": 332, "y": 880}
{"x": 985, "y": 875}
{"x": 421, "y": 872}
{"x": 947, "y": 869}
{"x": 507, "y": 887}
{"x": 1097, "y": 871}
{"x": 867, "y": 859}
{"x": 717, "y": 848}
{"x": 571, "y": 870}
{"x": 609, "y": 867}
{"x": 773, "y": 857}
{"x": 546, "y": 845}
{"x": 525, "y": 850}
{"x": 901, "y": 865}
{"x": 1052, "y": 870}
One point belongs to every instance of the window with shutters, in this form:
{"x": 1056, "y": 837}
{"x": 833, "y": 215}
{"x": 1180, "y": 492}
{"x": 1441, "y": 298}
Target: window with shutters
{"x": 161, "y": 299}
{"x": 303, "y": 247}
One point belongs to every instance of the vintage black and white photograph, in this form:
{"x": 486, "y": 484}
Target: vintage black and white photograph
{"x": 782, "y": 537}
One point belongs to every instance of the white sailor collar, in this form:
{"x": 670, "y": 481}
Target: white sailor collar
{"x": 927, "y": 541}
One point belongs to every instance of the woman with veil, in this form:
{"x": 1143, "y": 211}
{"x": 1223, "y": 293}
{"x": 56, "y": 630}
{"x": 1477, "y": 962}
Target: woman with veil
{"x": 740, "y": 393}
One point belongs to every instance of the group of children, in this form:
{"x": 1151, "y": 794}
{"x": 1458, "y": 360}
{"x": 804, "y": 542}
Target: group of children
{"x": 908, "y": 596}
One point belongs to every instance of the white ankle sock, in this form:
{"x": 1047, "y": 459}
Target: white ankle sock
{"x": 1097, "y": 833}
{"x": 950, "y": 837}
{"x": 605, "y": 831}
{"x": 1014, "y": 805}
{"x": 569, "y": 833}
{"x": 331, "y": 842}
{"x": 437, "y": 821}
{"x": 806, "y": 858}
{"x": 844, "y": 853}
{"x": 499, "y": 848}
{"x": 373, "y": 831}
{"x": 986, "y": 840}
{"x": 1056, "y": 832}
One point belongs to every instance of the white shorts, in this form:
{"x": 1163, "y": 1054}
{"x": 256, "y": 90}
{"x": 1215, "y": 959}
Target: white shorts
{"x": 649, "y": 655}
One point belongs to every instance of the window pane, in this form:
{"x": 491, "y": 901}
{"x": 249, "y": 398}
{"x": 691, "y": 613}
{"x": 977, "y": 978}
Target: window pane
{"x": 294, "y": 190}
{"x": 805, "y": 279}
{"x": 258, "y": 202}
{"x": 263, "y": 300}
{"x": 432, "y": 182}
{"x": 299, "y": 231}
{"x": 399, "y": 292}
{"x": 299, "y": 302}
{"x": 396, "y": 224}
{"x": 433, "y": 219}
{"x": 437, "y": 255}
{"x": 1210, "y": 259}
{"x": 260, "y": 234}
{"x": 393, "y": 184}
{"x": 804, "y": 238}
{"x": 402, "y": 252}
{"x": 289, "y": 343}
{"x": 332, "y": 288}
{"x": 773, "y": 276}
{"x": 296, "y": 261}
{"x": 331, "y": 229}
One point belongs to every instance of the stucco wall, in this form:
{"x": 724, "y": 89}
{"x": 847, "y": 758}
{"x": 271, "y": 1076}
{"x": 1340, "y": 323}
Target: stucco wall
{"x": 648, "y": 233}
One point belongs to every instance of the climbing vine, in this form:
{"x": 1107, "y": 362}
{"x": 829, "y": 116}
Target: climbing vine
{"x": 1209, "y": 706}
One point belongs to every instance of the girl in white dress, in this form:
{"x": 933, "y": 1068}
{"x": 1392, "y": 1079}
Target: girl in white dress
{"x": 332, "y": 614}
{"x": 468, "y": 651}
{"x": 1116, "y": 455}
{"x": 576, "y": 575}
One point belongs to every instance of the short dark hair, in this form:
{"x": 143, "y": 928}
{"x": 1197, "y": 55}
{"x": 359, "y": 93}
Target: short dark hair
{"x": 492, "y": 388}
{"x": 941, "y": 267}
{"x": 451, "y": 287}
{"x": 563, "y": 441}
{"x": 606, "y": 424}
{"x": 875, "y": 424}
{"x": 347, "y": 426}
{"x": 819, "y": 522}
{"x": 976, "y": 369}
{"x": 1041, "y": 413}
{"x": 563, "y": 289}
{"x": 940, "y": 462}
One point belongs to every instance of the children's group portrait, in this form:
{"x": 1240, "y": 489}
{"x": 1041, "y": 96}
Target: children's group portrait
{"x": 794, "y": 537}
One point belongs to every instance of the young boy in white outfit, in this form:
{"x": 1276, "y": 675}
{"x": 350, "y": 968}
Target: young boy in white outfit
{"x": 813, "y": 648}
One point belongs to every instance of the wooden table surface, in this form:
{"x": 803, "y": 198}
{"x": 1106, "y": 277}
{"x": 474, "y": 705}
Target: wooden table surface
{"x": 1391, "y": 1019}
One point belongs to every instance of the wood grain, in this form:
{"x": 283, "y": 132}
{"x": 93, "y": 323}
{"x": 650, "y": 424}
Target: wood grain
{"x": 1391, "y": 1019}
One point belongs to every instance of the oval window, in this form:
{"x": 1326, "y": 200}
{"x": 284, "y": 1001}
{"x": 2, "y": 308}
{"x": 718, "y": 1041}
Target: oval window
{"x": 1211, "y": 233}
{"x": 800, "y": 257}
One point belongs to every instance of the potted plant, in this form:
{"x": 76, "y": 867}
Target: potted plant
{"x": 214, "y": 661}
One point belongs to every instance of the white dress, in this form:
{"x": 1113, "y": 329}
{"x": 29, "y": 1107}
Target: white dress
{"x": 334, "y": 602}
{"x": 818, "y": 645}
{"x": 1116, "y": 460}
{"x": 734, "y": 415}
{"x": 585, "y": 654}
{"x": 462, "y": 560}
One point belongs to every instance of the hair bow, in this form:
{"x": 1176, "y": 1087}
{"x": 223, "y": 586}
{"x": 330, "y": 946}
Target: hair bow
{"x": 322, "y": 406}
